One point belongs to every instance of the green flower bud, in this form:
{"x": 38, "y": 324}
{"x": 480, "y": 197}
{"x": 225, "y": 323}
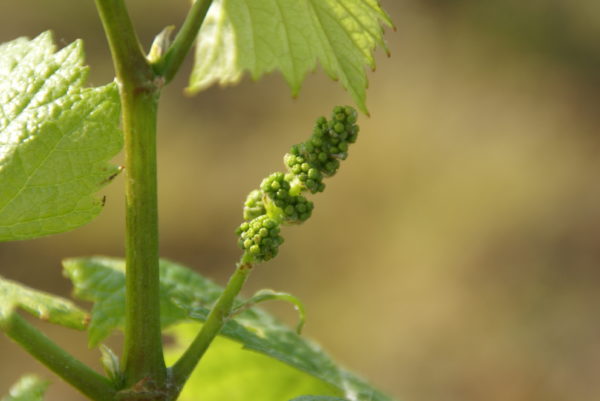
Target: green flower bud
{"x": 260, "y": 238}
{"x": 339, "y": 128}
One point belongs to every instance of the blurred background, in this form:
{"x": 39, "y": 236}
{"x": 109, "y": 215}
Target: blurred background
{"x": 454, "y": 257}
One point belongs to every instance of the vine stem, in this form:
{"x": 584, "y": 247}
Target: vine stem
{"x": 143, "y": 356}
{"x": 143, "y": 359}
{"x": 217, "y": 317}
{"x": 70, "y": 369}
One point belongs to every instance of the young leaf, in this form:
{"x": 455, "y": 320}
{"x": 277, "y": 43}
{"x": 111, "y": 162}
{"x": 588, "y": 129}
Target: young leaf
{"x": 227, "y": 372}
{"x": 48, "y": 307}
{"x": 112, "y": 366}
{"x": 102, "y": 280}
{"x": 261, "y": 36}
{"x": 55, "y": 139}
{"x": 28, "y": 388}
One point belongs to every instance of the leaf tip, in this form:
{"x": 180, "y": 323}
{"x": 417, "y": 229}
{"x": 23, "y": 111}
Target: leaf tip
{"x": 43, "y": 313}
{"x": 114, "y": 172}
{"x": 362, "y": 106}
{"x": 85, "y": 323}
{"x": 46, "y": 36}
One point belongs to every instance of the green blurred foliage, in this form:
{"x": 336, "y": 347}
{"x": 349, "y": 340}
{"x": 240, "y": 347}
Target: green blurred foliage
{"x": 454, "y": 257}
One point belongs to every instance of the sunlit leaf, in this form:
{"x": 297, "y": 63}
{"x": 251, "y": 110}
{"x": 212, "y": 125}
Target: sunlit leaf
{"x": 290, "y": 36}
{"x": 228, "y": 372}
{"x": 56, "y": 138}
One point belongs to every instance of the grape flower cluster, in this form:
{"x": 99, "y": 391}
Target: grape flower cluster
{"x": 279, "y": 199}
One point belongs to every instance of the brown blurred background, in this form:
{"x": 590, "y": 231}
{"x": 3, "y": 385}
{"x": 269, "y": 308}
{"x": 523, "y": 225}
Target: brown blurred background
{"x": 454, "y": 257}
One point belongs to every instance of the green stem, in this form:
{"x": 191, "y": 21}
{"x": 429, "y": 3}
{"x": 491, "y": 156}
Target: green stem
{"x": 131, "y": 66}
{"x": 88, "y": 382}
{"x": 214, "y": 322}
{"x": 143, "y": 356}
{"x": 169, "y": 64}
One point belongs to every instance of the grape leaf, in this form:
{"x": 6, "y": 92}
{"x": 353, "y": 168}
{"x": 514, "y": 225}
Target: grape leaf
{"x": 28, "y": 388}
{"x": 48, "y": 307}
{"x": 56, "y": 138}
{"x": 102, "y": 281}
{"x": 186, "y": 293}
{"x": 260, "y": 36}
{"x": 317, "y": 398}
{"x": 228, "y": 372}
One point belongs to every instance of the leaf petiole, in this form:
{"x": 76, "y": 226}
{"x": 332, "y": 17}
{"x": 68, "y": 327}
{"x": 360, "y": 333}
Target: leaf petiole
{"x": 73, "y": 371}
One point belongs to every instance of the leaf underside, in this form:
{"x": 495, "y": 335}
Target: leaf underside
{"x": 185, "y": 293}
{"x": 44, "y": 306}
{"x": 291, "y": 36}
{"x": 56, "y": 138}
{"x": 28, "y": 388}
{"x": 227, "y": 372}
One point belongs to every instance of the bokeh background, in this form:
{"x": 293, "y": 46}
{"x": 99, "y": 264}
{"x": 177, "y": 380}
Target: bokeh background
{"x": 454, "y": 257}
